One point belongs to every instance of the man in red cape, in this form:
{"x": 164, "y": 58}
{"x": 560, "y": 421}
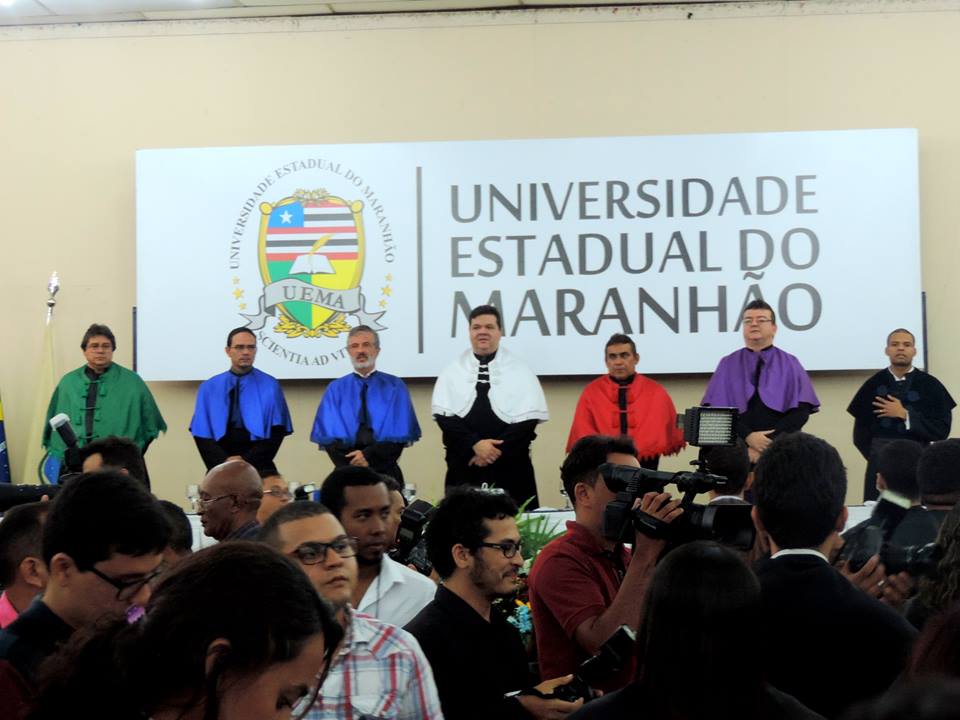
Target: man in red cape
{"x": 625, "y": 403}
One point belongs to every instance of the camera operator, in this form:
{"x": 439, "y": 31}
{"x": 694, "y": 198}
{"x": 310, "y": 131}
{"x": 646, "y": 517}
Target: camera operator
{"x": 477, "y": 657}
{"x": 584, "y": 586}
{"x": 936, "y": 595}
{"x": 827, "y": 643}
{"x": 899, "y": 515}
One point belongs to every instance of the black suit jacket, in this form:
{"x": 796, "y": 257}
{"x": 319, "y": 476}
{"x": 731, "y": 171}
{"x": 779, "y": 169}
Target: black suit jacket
{"x": 828, "y": 643}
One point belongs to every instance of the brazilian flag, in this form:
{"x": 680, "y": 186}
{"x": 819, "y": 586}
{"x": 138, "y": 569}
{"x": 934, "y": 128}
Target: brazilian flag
{"x": 4, "y": 458}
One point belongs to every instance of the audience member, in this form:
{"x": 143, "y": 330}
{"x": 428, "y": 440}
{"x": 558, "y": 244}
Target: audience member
{"x": 938, "y": 475}
{"x": 114, "y": 453}
{"x": 732, "y": 463}
{"x": 379, "y": 671}
{"x": 102, "y": 544}
{"x": 937, "y": 650}
{"x": 937, "y": 594}
{"x": 477, "y": 656}
{"x": 23, "y": 574}
{"x": 230, "y": 496}
{"x": 276, "y": 494}
{"x": 385, "y": 589}
{"x": 700, "y": 647}
{"x": 398, "y": 503}
{"x": 826, "y": 643}
{"x": 181, "y": 535}
{"x": 205, "y": 649}
{"x": 584, "y": 586}
{"x": 935, "y": 698}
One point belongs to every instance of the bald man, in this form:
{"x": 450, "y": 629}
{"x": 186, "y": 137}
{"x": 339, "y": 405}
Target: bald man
{"x": 230, "y": 496}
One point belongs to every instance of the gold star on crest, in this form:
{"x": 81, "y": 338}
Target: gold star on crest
{"x": 383, "y": 303}
{"x": 387, "y": 290}
{"x": 238, "y": 293}
{"x": 389, "y": 277}
{"x": 236, "y": 280}
{"x": 243, "y": 306}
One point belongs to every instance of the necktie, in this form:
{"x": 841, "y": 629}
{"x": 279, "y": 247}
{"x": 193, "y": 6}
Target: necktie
{"x": 364, "y": 432}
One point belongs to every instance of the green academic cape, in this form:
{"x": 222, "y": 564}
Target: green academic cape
{"x": 124, "y": 407}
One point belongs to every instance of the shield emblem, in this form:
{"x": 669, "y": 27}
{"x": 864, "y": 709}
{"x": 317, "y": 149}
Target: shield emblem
{"x": 316, "y": 238}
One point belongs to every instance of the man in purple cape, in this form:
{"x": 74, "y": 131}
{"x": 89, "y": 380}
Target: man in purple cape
{"x": 366, "y": 418}
{"x": 768, "y": 386}
{"x": 241, "y": 412}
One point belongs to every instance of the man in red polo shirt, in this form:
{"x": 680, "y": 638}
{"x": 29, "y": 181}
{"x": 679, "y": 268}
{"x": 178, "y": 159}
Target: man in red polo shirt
{"x": 583, "y": 586}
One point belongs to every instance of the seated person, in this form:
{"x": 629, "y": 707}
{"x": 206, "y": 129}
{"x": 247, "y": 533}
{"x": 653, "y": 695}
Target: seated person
{"x": 23, "y": 574}
{"x": 476, "y": 655}
{"x": 938, "y": 594}
{"x": 380, "y": 670}
{"x": 102, "y": 545}
{"x": 733, "y": 463}
{"x": 700, "y": 648}
{"x": 276, "y": 493}
{"x": 230, "y": 496}
{"x": 181, "y": 535}
{"x": 938, "y": 476}
{"x": 114, "y": 453}
{"x": 826, "y": 643}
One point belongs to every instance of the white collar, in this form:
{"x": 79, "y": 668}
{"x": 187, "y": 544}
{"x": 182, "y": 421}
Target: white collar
{"x": 901, "y": 379}
{"x": 726, "y": 497}
{"x": 895, "y": 499}
{"x": 800, "y": 551}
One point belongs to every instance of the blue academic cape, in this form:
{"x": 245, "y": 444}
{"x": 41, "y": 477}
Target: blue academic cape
{"x": 262, "y": 405}
{"x": 388, "y": 404}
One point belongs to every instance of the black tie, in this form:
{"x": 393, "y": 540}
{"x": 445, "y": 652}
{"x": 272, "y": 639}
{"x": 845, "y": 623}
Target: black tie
{"x": 364, "y": 432}
{"x": 756, "y": 373}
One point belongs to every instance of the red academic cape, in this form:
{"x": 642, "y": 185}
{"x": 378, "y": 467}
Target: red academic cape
{"x": 651, "y": 416}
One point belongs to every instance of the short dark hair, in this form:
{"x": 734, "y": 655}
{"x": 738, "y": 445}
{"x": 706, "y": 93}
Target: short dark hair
{"x": 486, "y": 310}
{"x": 938, "y": 473}
{"x": 165, "y": 659}
{"x": 96, "y": 329}
{"x": 118, "y": 452}
{"x": 901, "y": 330}
{"x": 95, "y": 515}
{"x": 731, "y": 462}
{"x": 800, "y": 488}
{"x": 300, "y": 510}
{"x": 333, "y": 490}
{"x": 620, "y": 339}
{"x": 459, "y": 520}
{"x": 21, "y": 533}
{"x": 588, "y": 454}
{"x": 356, "y": 329}
{"x": 393, "y": 485}
{"x": 237, "y": 331}
{"x": 897, "y": 461}
{"x": 181, "y": 534}
{"x": 761, "y": 305}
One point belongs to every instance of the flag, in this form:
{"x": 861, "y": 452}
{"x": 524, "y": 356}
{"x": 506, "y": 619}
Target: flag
{"x": 4, "y": 457}
{"x": 37, "y": 468}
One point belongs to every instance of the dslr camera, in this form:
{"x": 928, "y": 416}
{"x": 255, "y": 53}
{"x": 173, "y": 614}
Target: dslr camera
{"x": 916, "y": 560}
{"x": 411, "y": 545}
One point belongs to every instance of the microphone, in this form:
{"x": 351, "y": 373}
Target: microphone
{"x": 61, "y": 423}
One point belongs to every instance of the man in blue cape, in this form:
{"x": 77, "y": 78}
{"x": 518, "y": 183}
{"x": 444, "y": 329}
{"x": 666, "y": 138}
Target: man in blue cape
{"x": 768, "y": 386}
{"x": 240, "y": 413}
{"x": 366, "y": 418}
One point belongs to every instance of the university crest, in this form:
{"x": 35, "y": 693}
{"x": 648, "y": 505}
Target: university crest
{"x": 311, "y": 253}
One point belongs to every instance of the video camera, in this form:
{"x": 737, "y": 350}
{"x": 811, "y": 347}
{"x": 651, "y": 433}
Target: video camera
{"x": 916, "y": 560}
{"x": 612, "y": 656}
{"x": 411, "y": 545}
{"x": 728, "y": 524}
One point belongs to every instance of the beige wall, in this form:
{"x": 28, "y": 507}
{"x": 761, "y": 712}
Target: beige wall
{"x": 75, "y": 103}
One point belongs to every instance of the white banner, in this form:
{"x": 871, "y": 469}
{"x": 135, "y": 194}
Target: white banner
{"x": 663, "y": 238}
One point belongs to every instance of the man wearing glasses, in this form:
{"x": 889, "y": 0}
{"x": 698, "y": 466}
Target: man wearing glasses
{"x": 379, "y": 670}
{"x": 230, "y": 496}
{"x": 478, "y": 658}
{"x": 768, "y": 386}
{"x": 584, "y": 586}
{"x": 102, "y": 542}
{"x": 241, "y": 412}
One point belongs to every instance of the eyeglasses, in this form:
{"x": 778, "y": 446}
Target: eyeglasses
{"x": 313, "y": 553}
{"x": 756, "y": 321}
{"x": 202, "y": 503}
{"x": 279, "y": 494}
{"x": 128, "y": 589}
{"x": 509, "y": 548}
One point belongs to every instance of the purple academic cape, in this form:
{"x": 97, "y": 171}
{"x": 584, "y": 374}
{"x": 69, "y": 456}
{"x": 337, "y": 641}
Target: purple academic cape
{"x": 784, "y": 384}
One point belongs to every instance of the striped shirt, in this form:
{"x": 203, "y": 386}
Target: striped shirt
{"x": 379, "y": 672}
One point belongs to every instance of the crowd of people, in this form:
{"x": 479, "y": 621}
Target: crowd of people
{"x": 303, "y": 607}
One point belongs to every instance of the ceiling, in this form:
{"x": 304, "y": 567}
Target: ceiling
{"x": 34, "y": 12}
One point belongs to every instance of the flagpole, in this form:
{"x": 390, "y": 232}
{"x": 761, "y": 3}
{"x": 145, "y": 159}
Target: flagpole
{"x": 46, "y": 381}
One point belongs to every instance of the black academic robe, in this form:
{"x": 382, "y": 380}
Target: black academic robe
{"x": 927, "y": 402}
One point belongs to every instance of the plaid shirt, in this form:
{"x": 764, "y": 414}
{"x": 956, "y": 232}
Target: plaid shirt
{"x": 379, "y": 672}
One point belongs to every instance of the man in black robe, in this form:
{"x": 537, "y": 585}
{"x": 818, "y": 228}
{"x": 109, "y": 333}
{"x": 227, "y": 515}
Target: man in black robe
{"x": 898, "y": 403}
{"x": 487, "y": 404}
